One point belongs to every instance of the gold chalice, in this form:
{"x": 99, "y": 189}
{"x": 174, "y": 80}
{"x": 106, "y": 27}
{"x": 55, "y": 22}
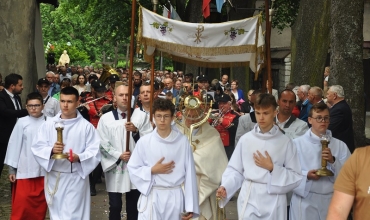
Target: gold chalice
{"x": 59, "y": 127}
{"x": 325, "y": 140}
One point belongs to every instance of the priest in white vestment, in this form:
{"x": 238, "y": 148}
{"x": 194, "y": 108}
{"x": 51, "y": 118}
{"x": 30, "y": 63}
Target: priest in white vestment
{"x": 161, "y": 163}
{"x": 67, "y": 188}
{"x": 265, "y": 165}
{"x": 312, "y": 197}
{"x": 210, "y": 162}
{"x": 25, "y": 174}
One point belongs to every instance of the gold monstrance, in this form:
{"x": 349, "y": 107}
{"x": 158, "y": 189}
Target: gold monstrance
{"x": 59, "y": 127}
{"x": 325, "y": 140}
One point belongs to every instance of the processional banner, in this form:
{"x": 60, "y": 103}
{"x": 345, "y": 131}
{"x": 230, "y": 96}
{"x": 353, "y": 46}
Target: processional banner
{"x": 234, "y": 43}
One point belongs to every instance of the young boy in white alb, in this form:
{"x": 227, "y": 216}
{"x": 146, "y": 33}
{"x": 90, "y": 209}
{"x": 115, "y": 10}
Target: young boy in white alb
{"x": 161, "y": 163}
{"x": 265, "y": 164}
{"x": 26, "y": 175}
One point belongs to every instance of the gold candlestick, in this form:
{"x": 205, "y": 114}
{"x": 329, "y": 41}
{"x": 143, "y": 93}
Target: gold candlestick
{"x": 325, "y": 140}
{"x": 59, "y": 127}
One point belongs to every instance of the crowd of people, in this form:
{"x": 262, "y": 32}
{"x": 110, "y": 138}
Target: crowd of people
{"x": 267, "y": 145}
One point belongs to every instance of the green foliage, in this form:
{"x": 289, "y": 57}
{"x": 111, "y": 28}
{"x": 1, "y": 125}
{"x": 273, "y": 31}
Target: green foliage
{"x": 92, "y": 27}
{"x": 76, "y": 55}
{"x": 285, "y": 13}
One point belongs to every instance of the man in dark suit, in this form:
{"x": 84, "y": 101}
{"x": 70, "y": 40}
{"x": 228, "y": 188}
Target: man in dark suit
{"x": 340, "y": 117}
{"x": 10, "y": 111}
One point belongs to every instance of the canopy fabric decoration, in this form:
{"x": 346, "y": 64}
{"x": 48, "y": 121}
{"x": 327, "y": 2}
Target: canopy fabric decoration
{"x": 225, "y": 44}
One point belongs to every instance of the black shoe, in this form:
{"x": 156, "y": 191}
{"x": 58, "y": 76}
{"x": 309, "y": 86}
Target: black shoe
{"x": 93, "y": 191}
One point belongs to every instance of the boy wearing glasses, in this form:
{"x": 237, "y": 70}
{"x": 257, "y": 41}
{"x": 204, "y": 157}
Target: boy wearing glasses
{"x": 161, "y": 163}
{"x": 312, "y": 197}
{"x": 26, "y": 175}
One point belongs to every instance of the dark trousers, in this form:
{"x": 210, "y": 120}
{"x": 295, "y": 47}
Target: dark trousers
{"x": 95, "y": 175}
{"x": 3, "y": 147}
{"x": 115, "y": 205}
{"x": 229, "y": 151}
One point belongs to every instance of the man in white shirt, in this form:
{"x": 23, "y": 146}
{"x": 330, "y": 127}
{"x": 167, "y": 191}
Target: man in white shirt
{"x": 51, "y": 105}
{"x": 10, "y": 111}
{"x": 293, "y": 127}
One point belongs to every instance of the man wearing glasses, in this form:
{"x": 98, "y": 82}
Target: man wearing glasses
{"x": 312, "y": 197}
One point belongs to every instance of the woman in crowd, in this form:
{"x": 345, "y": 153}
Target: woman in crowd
{"x": 238, "y": 93}
{"x": 81, "y": 84}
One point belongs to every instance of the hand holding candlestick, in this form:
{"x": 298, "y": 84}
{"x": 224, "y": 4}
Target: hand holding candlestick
{"x": 326, "y": 155}
{"x": 58, "y": 146}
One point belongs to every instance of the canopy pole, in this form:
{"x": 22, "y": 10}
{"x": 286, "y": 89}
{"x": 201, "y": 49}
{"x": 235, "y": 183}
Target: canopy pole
{"x": 133, "y": 15}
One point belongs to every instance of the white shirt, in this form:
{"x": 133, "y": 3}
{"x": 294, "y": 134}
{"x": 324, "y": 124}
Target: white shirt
{"x": 51, "y": 106}
{"x": 236, "y": 95}
{"x": 281, "y": 124}
{"x": 15, "y": 102}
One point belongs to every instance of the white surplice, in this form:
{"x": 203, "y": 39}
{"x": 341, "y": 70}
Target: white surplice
{"x": 52, "y": 106}
{"x": 113, "y": 143}
{"x": 72, "y": 191}
{"x": 162, "y": 197}
{"x": 263, "y": 194}
{"x": 210, "y": 162}
{"x": 141, "y": 120}
{"x": 245, "y": 125}
{"x": 311, "y": 198}
{"x": 19, "y": 154}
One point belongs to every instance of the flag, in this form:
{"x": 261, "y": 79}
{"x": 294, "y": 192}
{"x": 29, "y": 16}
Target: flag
{"x": 174, "y": 14}
{"x": 166, "y": 12}
{"x": 206, "y": 8}
{"x": 171, "y": 14}
{"x": 219, "y": 4}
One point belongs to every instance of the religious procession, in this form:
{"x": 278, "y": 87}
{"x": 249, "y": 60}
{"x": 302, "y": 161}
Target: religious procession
{"x": 221, "y": 137}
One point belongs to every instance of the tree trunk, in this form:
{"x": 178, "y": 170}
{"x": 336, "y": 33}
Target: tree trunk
{"x": 346, "y": 67}
{"x": 17, "y": 37}
{"x": 310, "y": 42}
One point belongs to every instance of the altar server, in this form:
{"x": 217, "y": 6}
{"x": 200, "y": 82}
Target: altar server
{"x": 27, "y": 176}
{"x": 112, "y": 132}
{"x": 265, "y": 164}
{"x": 161, "y": 163}
{"x": 312, "y": 197}
{"x": 67, "y": 188}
